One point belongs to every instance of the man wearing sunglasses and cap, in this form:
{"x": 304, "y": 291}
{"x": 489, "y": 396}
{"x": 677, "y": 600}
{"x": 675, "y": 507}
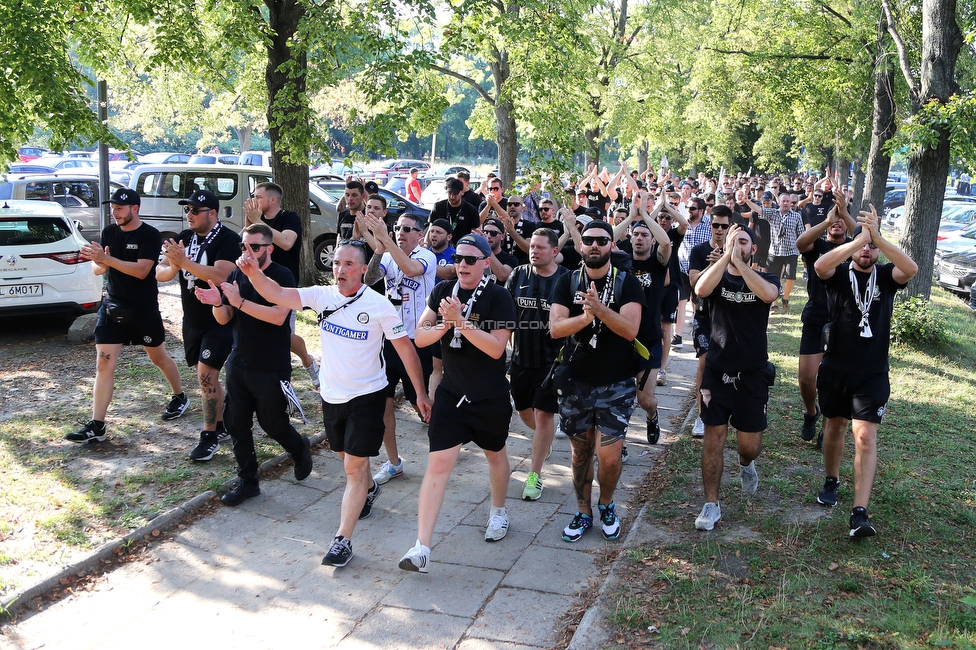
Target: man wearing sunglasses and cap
{"x": 471, "y": 319}
{"x": 853, "y": 380}
{"x": 128, "y": 252}
{"x": 206, "y": 251}
{"x": 601, "y": 317}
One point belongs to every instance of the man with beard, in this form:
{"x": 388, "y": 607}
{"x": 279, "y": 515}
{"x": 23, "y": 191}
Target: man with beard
{"x": 547, "y": 217}
{"x": 439, "y": 236}
{"x": 815, "y": 207}
{"x": 853, "y": 379}
{"x": 462, "y": 216}
{"x": 501, "y": 263}
{"x": 534, "y": 350}
{"x": 651, "y": 248}
{"x": 812, "y": 246}
{"x": 355, "y": 200}
{"x": 128, "y": 252}
{"x": 785, "y": 227}
{"x": 601, "y": 315}
{"x": 468, "y": 195}
{"x": 205, "y": 252}
{"x": 518, "y": 230}
{"x": 698, "y": 232}
{"x": 259, "y": 365}
{"x": 735, "y": 382}
{"x": 469, "y": 318}
{"x": 409, "y": 271}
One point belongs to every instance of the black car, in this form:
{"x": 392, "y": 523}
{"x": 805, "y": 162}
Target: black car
{"x": 893, "y": 199}
{"x": 957, "y": 272}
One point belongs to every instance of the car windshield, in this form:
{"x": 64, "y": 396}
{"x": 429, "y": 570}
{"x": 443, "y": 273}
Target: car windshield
{"x": 22, "y": 231}
{"x": 960, "y": 216}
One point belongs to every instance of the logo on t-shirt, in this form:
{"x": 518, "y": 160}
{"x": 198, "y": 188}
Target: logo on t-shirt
{"x": 738, "y": 296}
{"x": 205, "y": 354}
{"x": 363, "y": 317}
{"x": 147, "y": 340}
{"x": 344, "y": 332}
{"x": 132, "y": 247}
{"x": 399, "y": 329}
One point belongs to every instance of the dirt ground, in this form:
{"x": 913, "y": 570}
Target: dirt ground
{"x": 99, "y": 490}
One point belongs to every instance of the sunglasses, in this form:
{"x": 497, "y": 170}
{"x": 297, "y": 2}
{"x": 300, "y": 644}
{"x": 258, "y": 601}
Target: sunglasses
{"x": 254, "y": 247}
{"x": 187, "y": 210}
{"x": 406, "y": 229}
{"x": 817, "y": 196}
{"x": 470, "y": 260}
{"x": 665, "y": 217}
{"x": 599, "y": 241}
{"x": 491, "y": 232}
{"x": 513, "y": 204}
{"x": 692, "y": 208}
{"x": 494, "y": 189}
{"x": 545, "y": 208}
{"x": 721, "y": 226}
{"x": 359, "y": 243}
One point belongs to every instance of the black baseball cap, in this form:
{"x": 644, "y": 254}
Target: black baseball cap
{"x": 124, "y": 196}
{"x": 202, "y": 199}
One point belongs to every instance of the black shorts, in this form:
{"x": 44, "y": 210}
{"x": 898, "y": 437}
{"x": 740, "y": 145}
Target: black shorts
{"x": 146, "y": 329}
{"x": 739, "y": 401}
{"x": 810, "y": 338}
{"x": 669, "y": 304}
{"x": 356, "y": 427}
{"x": 653, "y": 362}
{"x": 210, "y": 347}
{"x": 700, "y": 335}
{"x": 684, "y": 291}
{"x": 783, "y": 266}
{"x": 485, "y": 422}
{"x": 853, "y": 396}
{"x": 527, "y": 390}
{"x": 397, "y": 372}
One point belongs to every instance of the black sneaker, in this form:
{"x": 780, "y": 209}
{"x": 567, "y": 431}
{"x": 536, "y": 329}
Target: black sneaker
{"x": 370, "y": 498}
{"x": 828, "y": 495}
{"x": 809, "y": 430}
{"x": 222, "y": 435}
{"x": 177, "y": 407}
{"x": 91, "y": 432}
{"x": 339, "y": 553}
{"x": 653, "y": 430}
{"x": 860, "y": 524}
{"x": 676, "y": 341}
{"x": 241, "y": 493}
{"x": 303, "y": 462}
{"x": 207, "y": 448}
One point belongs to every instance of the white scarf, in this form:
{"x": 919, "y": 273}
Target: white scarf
{"x": 864, "y": 302}
{"x": 456, "y": 341}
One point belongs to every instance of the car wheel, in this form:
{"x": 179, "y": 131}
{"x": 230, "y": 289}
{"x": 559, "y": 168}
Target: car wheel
{"x": 324, "y": 253}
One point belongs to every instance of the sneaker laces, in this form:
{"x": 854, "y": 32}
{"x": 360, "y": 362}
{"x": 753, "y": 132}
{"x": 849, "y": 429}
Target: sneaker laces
{"x": 339, "y": 545}
{"x": 579, "y": 521}
{"x": 608, "y": 515}
{"x": 497, "y": 521}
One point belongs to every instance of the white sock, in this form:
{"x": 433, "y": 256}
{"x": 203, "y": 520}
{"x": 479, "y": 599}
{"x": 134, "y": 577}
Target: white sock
{"x": 498, "y": 511}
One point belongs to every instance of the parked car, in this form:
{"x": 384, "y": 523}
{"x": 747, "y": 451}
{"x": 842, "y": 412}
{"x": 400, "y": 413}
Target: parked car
{"x": 956, "y": 242}
{"x": 28, "y": 154}
{"x": 29, "y": 168}
{"x": 893, "y": 199}
{"x": 387, "y": 169}
{"x": 957, "y": 272}
{"x": 949, "y": 207}
{"x": 398, "y": 184}
{"x": 436, "y": 190}
{"x": 214, "y": 159}
{"x": 448, "y": 170}
{"x": 77, "y": 193}
{"x": 43, "y": 270}
{"x": 59, "y": 163}
{"x": 256, "y": 158}
{"x": 342, "y": 170}
{"x": 161, "y": 187}
{"x": 164, "y": 158}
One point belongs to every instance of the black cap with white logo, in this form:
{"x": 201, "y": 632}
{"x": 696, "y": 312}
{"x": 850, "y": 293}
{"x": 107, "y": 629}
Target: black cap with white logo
{"x": 202, "y": 199}
{"x": 124, "y": 196}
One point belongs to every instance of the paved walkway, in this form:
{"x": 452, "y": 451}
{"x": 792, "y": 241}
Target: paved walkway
{"x": 250, "y": 577}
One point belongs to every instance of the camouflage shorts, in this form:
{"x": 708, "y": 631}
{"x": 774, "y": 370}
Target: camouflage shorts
{"x": 605, "y": 408}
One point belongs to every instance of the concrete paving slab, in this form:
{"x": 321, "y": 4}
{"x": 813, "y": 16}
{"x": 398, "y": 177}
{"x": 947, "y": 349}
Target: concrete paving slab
{"x": 456, "y": 590}
{"x": 521, "y": 616}
{"x": 523, "y": 516}
{"x": 391, "y": 627}
{"x": 466, "y": 545}
{"x": 552, "y": 570}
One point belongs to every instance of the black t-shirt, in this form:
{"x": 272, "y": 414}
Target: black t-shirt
{"x": 524, "y": 228}
{"x": 287, "y": 220}
{"x": 143, "y": 243}
{"x": 571, "y": 257}
{"x": 258, "y": 344}
{"x": 851, "y": 352}
{"x": 507, "y": 259}
{"x": 739, "y": 319}
{"x": 224, "y": 246}
{"x": 613, "y": 360}
{"x": 534, "y": 347}
{"x": 472, "y": 198}
{"x": 761, "y": 227}
{"x": 815, "y": 311}
{"x": 814, "y": 214}
{"x": 502, "y": 204}
{"x": 698, "y": 261}
{"x": 555, "y": 225}
{"x": 463, "y": 219}
{"x": 467, "y": 370}
{"x": 598, "y": 200}
{"x": 651, "y": 275}
{"x": 674, "y": 279}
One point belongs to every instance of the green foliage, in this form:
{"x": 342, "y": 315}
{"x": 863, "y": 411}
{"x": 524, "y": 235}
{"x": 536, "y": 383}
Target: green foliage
{"x": 915, "y": 323}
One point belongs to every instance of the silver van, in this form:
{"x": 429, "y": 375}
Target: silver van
{"x": 161, "y": 188}
{"x": 76, "y": 193}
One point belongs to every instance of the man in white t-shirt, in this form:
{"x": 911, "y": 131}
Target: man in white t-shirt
{"x": 354, "y": 322}
{"x": 410, "y": 272}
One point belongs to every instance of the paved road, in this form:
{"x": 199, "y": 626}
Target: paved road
{"x": 250, "y": 577}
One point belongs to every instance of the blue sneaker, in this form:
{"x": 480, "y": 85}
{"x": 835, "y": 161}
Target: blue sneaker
{"x": 609, "y": 521}
{"x": 580, "y": 524}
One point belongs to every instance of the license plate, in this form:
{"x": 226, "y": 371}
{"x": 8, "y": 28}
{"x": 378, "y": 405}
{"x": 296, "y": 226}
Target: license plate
{"x": 945, "y": 278}
{"x": 21, "y": 290}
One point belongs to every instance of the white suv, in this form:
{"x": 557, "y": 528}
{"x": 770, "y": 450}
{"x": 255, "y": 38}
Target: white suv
{"x": 41, "y": 270}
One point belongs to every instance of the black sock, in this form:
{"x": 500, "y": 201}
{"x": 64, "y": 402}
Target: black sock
{"x": 99, "y": 423}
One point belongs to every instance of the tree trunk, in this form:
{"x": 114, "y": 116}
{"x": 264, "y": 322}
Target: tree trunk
{"x": 883, "y": 129}
{"x": 507, "y": 143}
{"x": 592, "y": 152}
{"x": 928, "y": 167}
{"x": 285, "y": 76}
{"x": 642, "y": 157}
{"x": 243, "y": 134}
{"x": 858, "y": 184}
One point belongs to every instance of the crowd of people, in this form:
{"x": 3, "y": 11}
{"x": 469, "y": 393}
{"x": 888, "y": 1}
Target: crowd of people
{"x": 554, "y": 300}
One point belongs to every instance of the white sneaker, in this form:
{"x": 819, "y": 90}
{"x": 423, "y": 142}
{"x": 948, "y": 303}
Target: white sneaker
{"x": 388, "y": 471}
{"x": 416, "y": 559}
{"x": 750, "y": 478}
{"x": 698, "y": 431}
{"x": 662, "y": 377}
{"x": 710, "y": 515}
{"x": 497, "y": 527}
{"x": 313, "y": 373}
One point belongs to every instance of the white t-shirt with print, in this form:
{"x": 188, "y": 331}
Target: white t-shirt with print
{"x": 352, "y": 340}
{"x": 412, "y": 292}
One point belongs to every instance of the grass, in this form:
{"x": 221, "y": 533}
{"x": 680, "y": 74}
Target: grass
{"x": 779, "y": 571}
